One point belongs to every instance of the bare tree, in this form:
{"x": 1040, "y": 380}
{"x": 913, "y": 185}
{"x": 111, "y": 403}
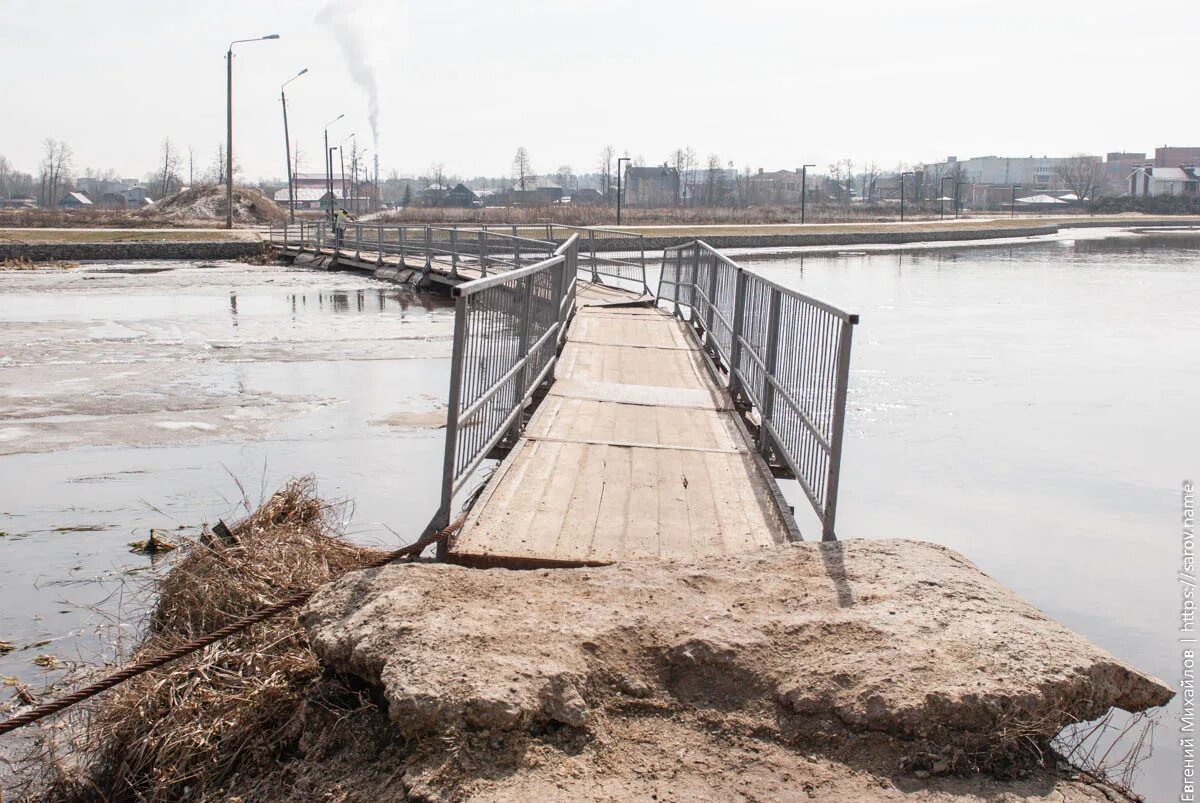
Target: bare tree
{"x": 684, "y": 162}
{"x": 869, "y": 177}
{"x": 167, "y": 180}
{"x": 565, "y": 177}
{"x": 606, "y": 167}
{"x": 1083, "y": 175}
{"x": 55, "y": 167}
{"x": 217, "y": 171}
{"x": 436, "y": 175}
{"x": 522, "y": 168}
{"x": 713, "y": 179}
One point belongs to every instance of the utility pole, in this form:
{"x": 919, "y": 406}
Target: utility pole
{"x": 803, "y": 189}
{"x": 1012, "y": 205}
{"x": 619, "y": 160}
{"x": 287, "y": 146}
{"x": 229, "y": 124}
{"x": 329, "y": 164}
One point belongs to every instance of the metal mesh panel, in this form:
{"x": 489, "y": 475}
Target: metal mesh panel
{"x": 786, "y": 354}
{"x": 507, "y": 330}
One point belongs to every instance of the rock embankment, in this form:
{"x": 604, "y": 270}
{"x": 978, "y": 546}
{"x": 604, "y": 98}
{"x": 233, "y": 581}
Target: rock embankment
{"x": 836, "y": 665}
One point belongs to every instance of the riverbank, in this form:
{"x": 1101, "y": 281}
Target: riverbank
{"x": 49, "y": 245}
{"x": 883, "y": 670}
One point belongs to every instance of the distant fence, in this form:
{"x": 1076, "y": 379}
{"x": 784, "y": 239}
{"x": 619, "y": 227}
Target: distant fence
{"x": 606, "y": 254}
{"x": 786, "y": 355}
{"x": 507, "y": 331}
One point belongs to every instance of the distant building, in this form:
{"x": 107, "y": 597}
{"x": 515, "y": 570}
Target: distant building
{"x": 1035, "y": 173}
{"x": 1176, "y": 157}
{"x": 537, "y": 192}
{"x": 1119, "y": 164}
{"x": 586, "y": 196}
{"x": 19, "y": 202}
{"x": 75, "y": 200}
{"x": 307, "y": 197}
{"x": 775, "y": 187}
{"x": 312, "y": 181}
{"x": 460, "y": 197}
{"x": 1150, "y": 181}
{"x": 651, "y": 187}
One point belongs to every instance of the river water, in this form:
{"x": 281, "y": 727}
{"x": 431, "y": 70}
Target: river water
{"x": 1031, "y": 406}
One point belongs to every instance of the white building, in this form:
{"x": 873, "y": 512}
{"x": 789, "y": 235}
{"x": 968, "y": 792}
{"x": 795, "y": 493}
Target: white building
{"x": 1151, "y": 181}
{"x": 1035, "y": 173}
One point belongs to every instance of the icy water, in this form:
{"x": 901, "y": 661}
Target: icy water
{"x": 162, "y": 395}
{"x": 1032, "y": 406}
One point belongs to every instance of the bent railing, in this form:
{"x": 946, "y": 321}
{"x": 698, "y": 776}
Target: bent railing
{"x": 786, "y": 355}
{"x": 606, "y": 253}
{"x": 507, "y": 331}
{"x": 621, "y": 255}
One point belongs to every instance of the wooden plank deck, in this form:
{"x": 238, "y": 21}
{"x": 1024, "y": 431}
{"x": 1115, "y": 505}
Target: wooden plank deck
{"x": 634, "y": 454}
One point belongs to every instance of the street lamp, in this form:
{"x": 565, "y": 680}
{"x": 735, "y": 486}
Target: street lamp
{"x": 229, "y": 123}
{"x": 287, "y": 145}
{"x": 942, "y": 196}
{"x": 329, "y": 164}
{"x": 1012, "y": 204}
{"x": 342, "y": 160}
{"x": 902, "y": 175}
{"x": 619, "y": 160}
{"x": 803, "y": 189}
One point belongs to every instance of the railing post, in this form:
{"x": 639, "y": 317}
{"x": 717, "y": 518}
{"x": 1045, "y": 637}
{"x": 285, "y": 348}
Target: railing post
{"x": 403, "y": 255}
{"x": 454, "y": 252}
{"x": 428, "y": 248}
{"x": 739, "y": 323}
{"x": 838, "y": 425}
{"x": 592, "y": 249}
{"x": 710, "y": 315}
{"x": 453, "y": 406}
{"x": 523, "y": 350}
{"x": 483, "y": 258}
{"x": 516, "y": 248}
{"x": 768, "y": 400}
{"x": 642, "y": 246}
{"x": 358, "y": 242}
{"x": 379, "y": 244}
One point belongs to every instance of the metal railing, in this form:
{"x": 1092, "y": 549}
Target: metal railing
{"x": 450, "y": 249}
{"x": 507, "y": 331}
{"x": 786, "y": 355}
{"x": 618, "y": 256}
{"x": 608, "y": 253}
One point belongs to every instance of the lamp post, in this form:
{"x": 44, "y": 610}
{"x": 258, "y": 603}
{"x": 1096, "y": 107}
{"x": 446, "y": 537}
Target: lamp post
{"x": 902, "y": 175}
{"x": 803, "y": 189}
{"x": 342, "y": 160}
{"x": 287, "y": 146}
{"x": 329, "y": 164}
{"x": 958, "y": 185}
{"x": 942, "y": 196}
{"x": 619, "y": 160}
{"x": 1012, "y": 204}
{"x": 229, "y": 123}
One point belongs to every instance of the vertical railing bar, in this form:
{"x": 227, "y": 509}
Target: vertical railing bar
{"x": 839, "y": 422}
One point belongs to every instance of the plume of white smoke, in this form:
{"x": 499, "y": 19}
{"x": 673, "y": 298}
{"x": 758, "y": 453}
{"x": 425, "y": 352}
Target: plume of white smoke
{"x": 346, "y": 20}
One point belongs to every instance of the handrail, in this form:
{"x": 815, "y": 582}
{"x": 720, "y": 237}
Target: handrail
{"x": 786, "y": 357}
{"x": 507, "y": 331}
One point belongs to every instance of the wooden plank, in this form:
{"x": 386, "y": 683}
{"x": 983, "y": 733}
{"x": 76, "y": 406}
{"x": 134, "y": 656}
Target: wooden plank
{"x": 634, "y": 454}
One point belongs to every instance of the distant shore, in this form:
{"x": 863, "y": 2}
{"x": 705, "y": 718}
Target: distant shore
{"x": 82, "y": 244}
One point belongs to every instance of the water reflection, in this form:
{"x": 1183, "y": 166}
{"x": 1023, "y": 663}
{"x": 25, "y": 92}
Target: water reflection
{"x": 371, "y": 300}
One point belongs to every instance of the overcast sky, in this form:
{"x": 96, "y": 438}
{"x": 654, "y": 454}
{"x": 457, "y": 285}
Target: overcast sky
{"x": 762, "y": 84}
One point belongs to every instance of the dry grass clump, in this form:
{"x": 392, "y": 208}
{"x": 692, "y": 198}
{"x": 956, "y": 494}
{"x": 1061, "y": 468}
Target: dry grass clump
{"x": 238, "y": 705}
